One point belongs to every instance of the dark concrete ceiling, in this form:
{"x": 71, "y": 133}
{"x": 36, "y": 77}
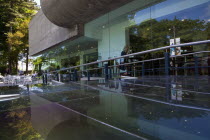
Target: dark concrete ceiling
{"x": 67, "y": 13}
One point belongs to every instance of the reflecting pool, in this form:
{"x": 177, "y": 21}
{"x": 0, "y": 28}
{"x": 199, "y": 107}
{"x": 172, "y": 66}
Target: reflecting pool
{"x": 101, "y": 110}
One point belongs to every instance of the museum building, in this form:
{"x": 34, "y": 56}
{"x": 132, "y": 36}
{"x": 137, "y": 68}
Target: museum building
{"x": 74, "y": 32}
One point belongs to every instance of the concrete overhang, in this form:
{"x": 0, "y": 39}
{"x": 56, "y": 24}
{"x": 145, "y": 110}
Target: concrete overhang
{"x": 68, "y": 13}
{"x": 43, "y": 34}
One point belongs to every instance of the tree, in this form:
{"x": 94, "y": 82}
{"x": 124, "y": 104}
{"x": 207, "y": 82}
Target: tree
{"x": 15, "y": 16}
{"x": 38, "y": 62}
{"x": 153, "y": 33}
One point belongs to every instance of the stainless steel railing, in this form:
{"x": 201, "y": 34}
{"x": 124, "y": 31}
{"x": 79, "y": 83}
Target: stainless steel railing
{"x": 111, "y": 67}
{"x": 143, "y": 52}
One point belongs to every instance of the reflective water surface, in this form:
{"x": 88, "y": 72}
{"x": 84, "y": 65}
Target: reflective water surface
{"x": 101, "y": 110}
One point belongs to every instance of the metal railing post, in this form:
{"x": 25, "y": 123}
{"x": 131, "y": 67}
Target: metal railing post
{"x": 45, "y": 78}
{"x": 185, "y": 61}
{"x": 88, "y": 75}
{"x": 196, "y": 66}
{"x": 110, "y": 73}
{"x": 57, "y": 77}
{"x": 70, "y": 77}
{"x": 208, "y": 65}
{"x": 143, "y": 70}
{"x": 106, "y": 71}
{"x": 168, "y": 88}
{"x": 167, "y": 63}
{"x": 75, "y": 75}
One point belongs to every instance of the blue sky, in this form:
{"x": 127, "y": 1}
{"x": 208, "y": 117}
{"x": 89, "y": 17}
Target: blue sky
{"x": 37, "y": 1}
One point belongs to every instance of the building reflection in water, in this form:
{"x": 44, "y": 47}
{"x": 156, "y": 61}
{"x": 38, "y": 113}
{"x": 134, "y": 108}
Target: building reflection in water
{"x": 142, "y": 110}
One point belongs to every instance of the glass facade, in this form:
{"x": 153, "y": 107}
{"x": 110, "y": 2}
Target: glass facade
{"x": 139, "y": 25}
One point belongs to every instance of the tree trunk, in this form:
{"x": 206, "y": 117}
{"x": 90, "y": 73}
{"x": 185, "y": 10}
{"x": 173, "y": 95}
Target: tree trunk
{"x": 26, "y": 60}
{"x": 10, "y": 67}
{"x": 16, "y": 66}
{"x": 9, "y": 49}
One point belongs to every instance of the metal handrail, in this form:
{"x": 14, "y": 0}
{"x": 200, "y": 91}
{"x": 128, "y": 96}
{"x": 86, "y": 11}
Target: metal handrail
{"x": 139, "y": 53}
{"x": 136, "y": 62}
{"x": 190, "y": 54}
{"x": 149, "y": 60}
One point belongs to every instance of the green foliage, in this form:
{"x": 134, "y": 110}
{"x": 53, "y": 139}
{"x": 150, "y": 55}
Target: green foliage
{"x": 16, "y": 125}
{"x": 38, "y": 62}
{"x": 51, "y": 67}
{"x": 2, "y": 69}
{"x": 153, "y": 34}
{"x": 15, "y": 16}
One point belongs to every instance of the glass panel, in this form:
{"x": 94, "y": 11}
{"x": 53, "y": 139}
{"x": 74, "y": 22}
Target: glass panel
{"x": 184, "y": 19}
{"x": 135, "y": 27}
